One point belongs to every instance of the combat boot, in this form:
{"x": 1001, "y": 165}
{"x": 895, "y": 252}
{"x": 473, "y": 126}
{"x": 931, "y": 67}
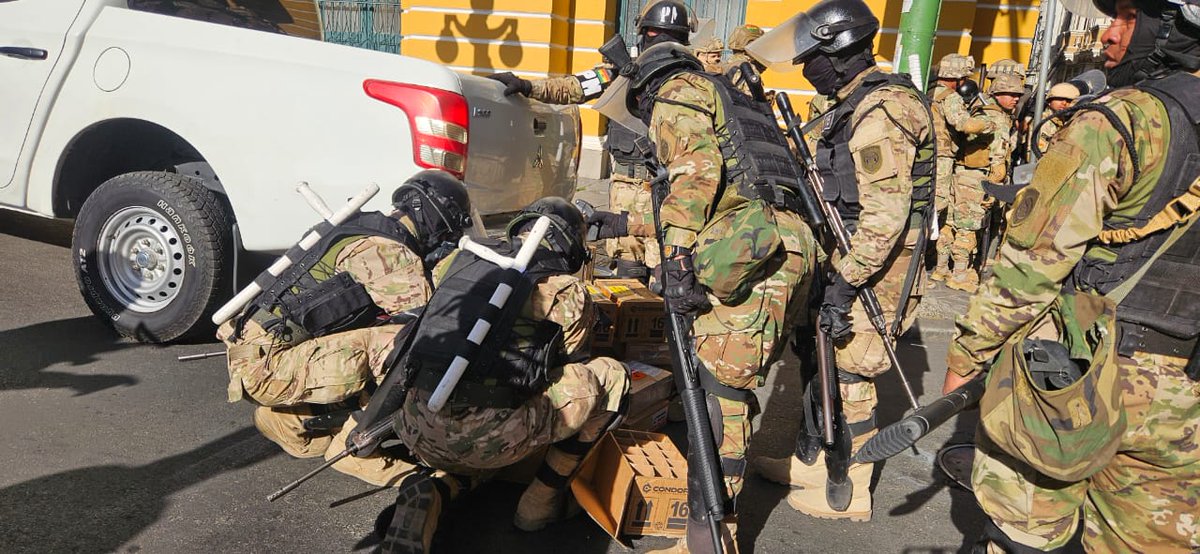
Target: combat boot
{"x": 412, "y": 522}
{"x": 791, "y": 471}
{"x": 542, "y": 505}
{"x": 966, "y": 280}
{"x": 699, "y": 535}
{"x": 811, "y": 501}
{"x": 942, "y": 271}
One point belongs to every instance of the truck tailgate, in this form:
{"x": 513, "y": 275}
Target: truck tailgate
{"x": 519, "y": 149}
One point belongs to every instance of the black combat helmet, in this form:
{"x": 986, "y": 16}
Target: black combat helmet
{"x": 830, "y": 27}
{"x": 567, "y": 228}
{"x": 968, "y": 90}
{"x": 1166, "y": 38}
{"x": 667, "y": 15}
{"x": 438, "y": 205}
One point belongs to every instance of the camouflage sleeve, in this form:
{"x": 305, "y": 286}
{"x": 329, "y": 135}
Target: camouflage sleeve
{"x": 959, "y": 117}
{"x": 682, "y": 130}
{"x": 573, "y": 89}
{"x": 393, "y": 275}
{"x": 564, "y": 300}
{"x": 1050, "y": 225}
{"x": 884, "y": 150}
{"x": 1000, "y": 148}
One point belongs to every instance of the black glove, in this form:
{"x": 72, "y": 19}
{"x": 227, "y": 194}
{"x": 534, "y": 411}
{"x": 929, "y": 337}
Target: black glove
{"x": 608, "y": 225}
{"x": 834, "y": 317}
{"x": 513, "y": 84}
{"x": 685, "y": 294}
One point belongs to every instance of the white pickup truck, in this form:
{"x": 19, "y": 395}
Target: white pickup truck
{"x": 177, "y": 144}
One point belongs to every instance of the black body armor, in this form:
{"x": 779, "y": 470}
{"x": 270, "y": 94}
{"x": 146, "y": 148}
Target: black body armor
{"x": 836, "y": 164}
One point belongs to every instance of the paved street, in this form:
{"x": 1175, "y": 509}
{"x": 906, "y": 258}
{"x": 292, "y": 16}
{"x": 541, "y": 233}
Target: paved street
{"x": 116, "y": 446}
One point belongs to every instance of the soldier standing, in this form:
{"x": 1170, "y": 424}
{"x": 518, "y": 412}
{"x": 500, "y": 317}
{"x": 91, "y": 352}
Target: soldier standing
{"x": 876, "y": 155}
{"x": 1058, "y": 98}
{"x": 526, "y": 389}
{"x": 629, "y": 190}
{"x": 951, "y": 120}
{"x": 1108, "y": 222}
{"x": 738, "y": 40}
{"x": 984, "y": 156}
{"x": 317, "y": 338}
{"x": 738, "y": 257}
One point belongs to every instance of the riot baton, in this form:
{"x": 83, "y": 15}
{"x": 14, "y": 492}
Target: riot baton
{"x": 899, "y": 436}
{"x": 841, "y": 237}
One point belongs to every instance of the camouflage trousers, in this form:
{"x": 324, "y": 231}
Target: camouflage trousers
{"x": 968, "y": 208}
{"x": 945, "y": 180}
{"x": 863, "y": 353}
{"x": 629, "y": 194}
{"x": 1147, "y": 499}
{"x": 321, "y": 370}
{"x": 471, "y": 441}
{"x": 738, "y": 343}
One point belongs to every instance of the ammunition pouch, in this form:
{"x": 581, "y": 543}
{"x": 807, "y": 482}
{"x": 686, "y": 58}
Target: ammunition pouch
{"x": 332, "y": 306}
{"x": 975, "y": 156}
{"x": 1140, "y": 338}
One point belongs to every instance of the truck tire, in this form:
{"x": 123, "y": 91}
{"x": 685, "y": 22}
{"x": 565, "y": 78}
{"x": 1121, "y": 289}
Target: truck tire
{"x": 152, "y": 253}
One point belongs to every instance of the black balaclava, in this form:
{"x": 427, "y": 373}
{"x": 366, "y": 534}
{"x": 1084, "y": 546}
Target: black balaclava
{"x": 830, "y": 72}
{"x": 645, "y": 41}
{"x": 1181, "y": 50}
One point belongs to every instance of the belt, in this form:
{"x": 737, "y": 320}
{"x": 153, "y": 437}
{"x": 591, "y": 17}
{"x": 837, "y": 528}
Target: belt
{"x": 469, "y": 393}
{"x": 629, "y": 168}
{"x": 1139, "y": 338}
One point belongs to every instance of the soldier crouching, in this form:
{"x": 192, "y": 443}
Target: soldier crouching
{"x": 527, "y": 388}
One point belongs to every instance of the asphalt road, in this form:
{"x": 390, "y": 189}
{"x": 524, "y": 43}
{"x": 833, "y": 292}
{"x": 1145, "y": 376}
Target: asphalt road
{"x": 116, "y": 446}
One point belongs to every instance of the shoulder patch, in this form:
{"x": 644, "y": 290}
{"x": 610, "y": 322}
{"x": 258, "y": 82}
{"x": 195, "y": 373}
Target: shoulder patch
{"x": 872, "y": 158}
{"x": 1025, "y": 204}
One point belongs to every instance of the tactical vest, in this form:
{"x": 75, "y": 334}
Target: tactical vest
{"x": 309, "y": 299}
{"x": 976, "y": 153}
{"x": 620, "y": 144}
{"x": 836, "y": 163}
{"x": 758, "y": 162}
{"x": 945, "y": 142}
{"x": 1161, "y": 314}
{"x": 511, "y": 364}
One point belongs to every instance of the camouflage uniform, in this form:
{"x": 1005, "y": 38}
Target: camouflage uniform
{"x": 1147, "y": 498}
{"x": 882, "y": 246}
{"x": 738, "y": 39}
{"x": 286, "y": 380}
{"x": 1049, "y": 128}
{"x": 951, "y": 119}
{"x": 983, "y": 156}
{"x": 712, "y": 46}
{"x": 736, "y": 342}
{"x": 580, "y": 399}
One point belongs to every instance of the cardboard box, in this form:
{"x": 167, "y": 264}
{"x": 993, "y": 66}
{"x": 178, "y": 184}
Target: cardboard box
{"x": 606, "y": 318}
{"x": 634, "y": 483}
{"x": 653, "y": 353}
{"x": 640, "y": 313}
{"x": 650, "y": 385}
{"x": 651, "y": 419}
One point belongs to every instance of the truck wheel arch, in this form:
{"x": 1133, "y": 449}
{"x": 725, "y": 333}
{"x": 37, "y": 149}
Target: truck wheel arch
{"x": 114, "y": 147}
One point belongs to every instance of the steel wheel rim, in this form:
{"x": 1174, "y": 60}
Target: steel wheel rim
{"x": 141, "y": 259}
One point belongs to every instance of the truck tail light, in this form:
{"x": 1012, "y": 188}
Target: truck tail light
{"x": 438, "y": 119}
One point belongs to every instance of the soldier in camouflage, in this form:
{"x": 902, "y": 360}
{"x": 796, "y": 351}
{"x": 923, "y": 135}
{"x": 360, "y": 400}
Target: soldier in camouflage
{"x": 1109, "y": 219}
{"x": 982, "y": 156}
{"x": 876, "y": 155}
{"x": 709, "y": 54}
{"x": 952, "y": 121}
{"x": 470, "y": 438}
{"x": 738, "y": 40}
{"x": 1004, "y": 67}
{"x": 292, "y": 380}
{"x": 1058, "y": 98}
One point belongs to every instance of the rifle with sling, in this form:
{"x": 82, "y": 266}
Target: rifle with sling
{"x": 841, "y": 237}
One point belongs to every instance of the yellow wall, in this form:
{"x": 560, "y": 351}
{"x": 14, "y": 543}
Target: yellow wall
{"x": 539, "y": 38}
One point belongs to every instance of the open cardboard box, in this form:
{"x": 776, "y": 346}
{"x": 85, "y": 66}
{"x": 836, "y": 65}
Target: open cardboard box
{"x": 634, "y": 483}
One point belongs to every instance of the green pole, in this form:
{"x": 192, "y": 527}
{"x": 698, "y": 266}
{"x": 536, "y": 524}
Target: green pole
{"x": 914, "y": 45}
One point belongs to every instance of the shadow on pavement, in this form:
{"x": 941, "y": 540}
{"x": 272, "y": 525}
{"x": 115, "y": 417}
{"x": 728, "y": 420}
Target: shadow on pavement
{"x": 97, "y": 509}
{"x": 774, "y": 436}
{"x": 29, "y": 351}
{"x": 49, "y": 231}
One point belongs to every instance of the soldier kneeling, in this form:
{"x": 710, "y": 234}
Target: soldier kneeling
{"x": 526, "y": 387}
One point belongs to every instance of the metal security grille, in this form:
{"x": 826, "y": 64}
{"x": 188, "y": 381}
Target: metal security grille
{"x": 728, "y": 15}
{"x": 371, "y": 24}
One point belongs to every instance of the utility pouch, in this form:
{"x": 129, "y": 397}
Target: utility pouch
{"x": 337, "y": 304}
{"x": 1056, "y": 404}
{"x": 732, "y": 251}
